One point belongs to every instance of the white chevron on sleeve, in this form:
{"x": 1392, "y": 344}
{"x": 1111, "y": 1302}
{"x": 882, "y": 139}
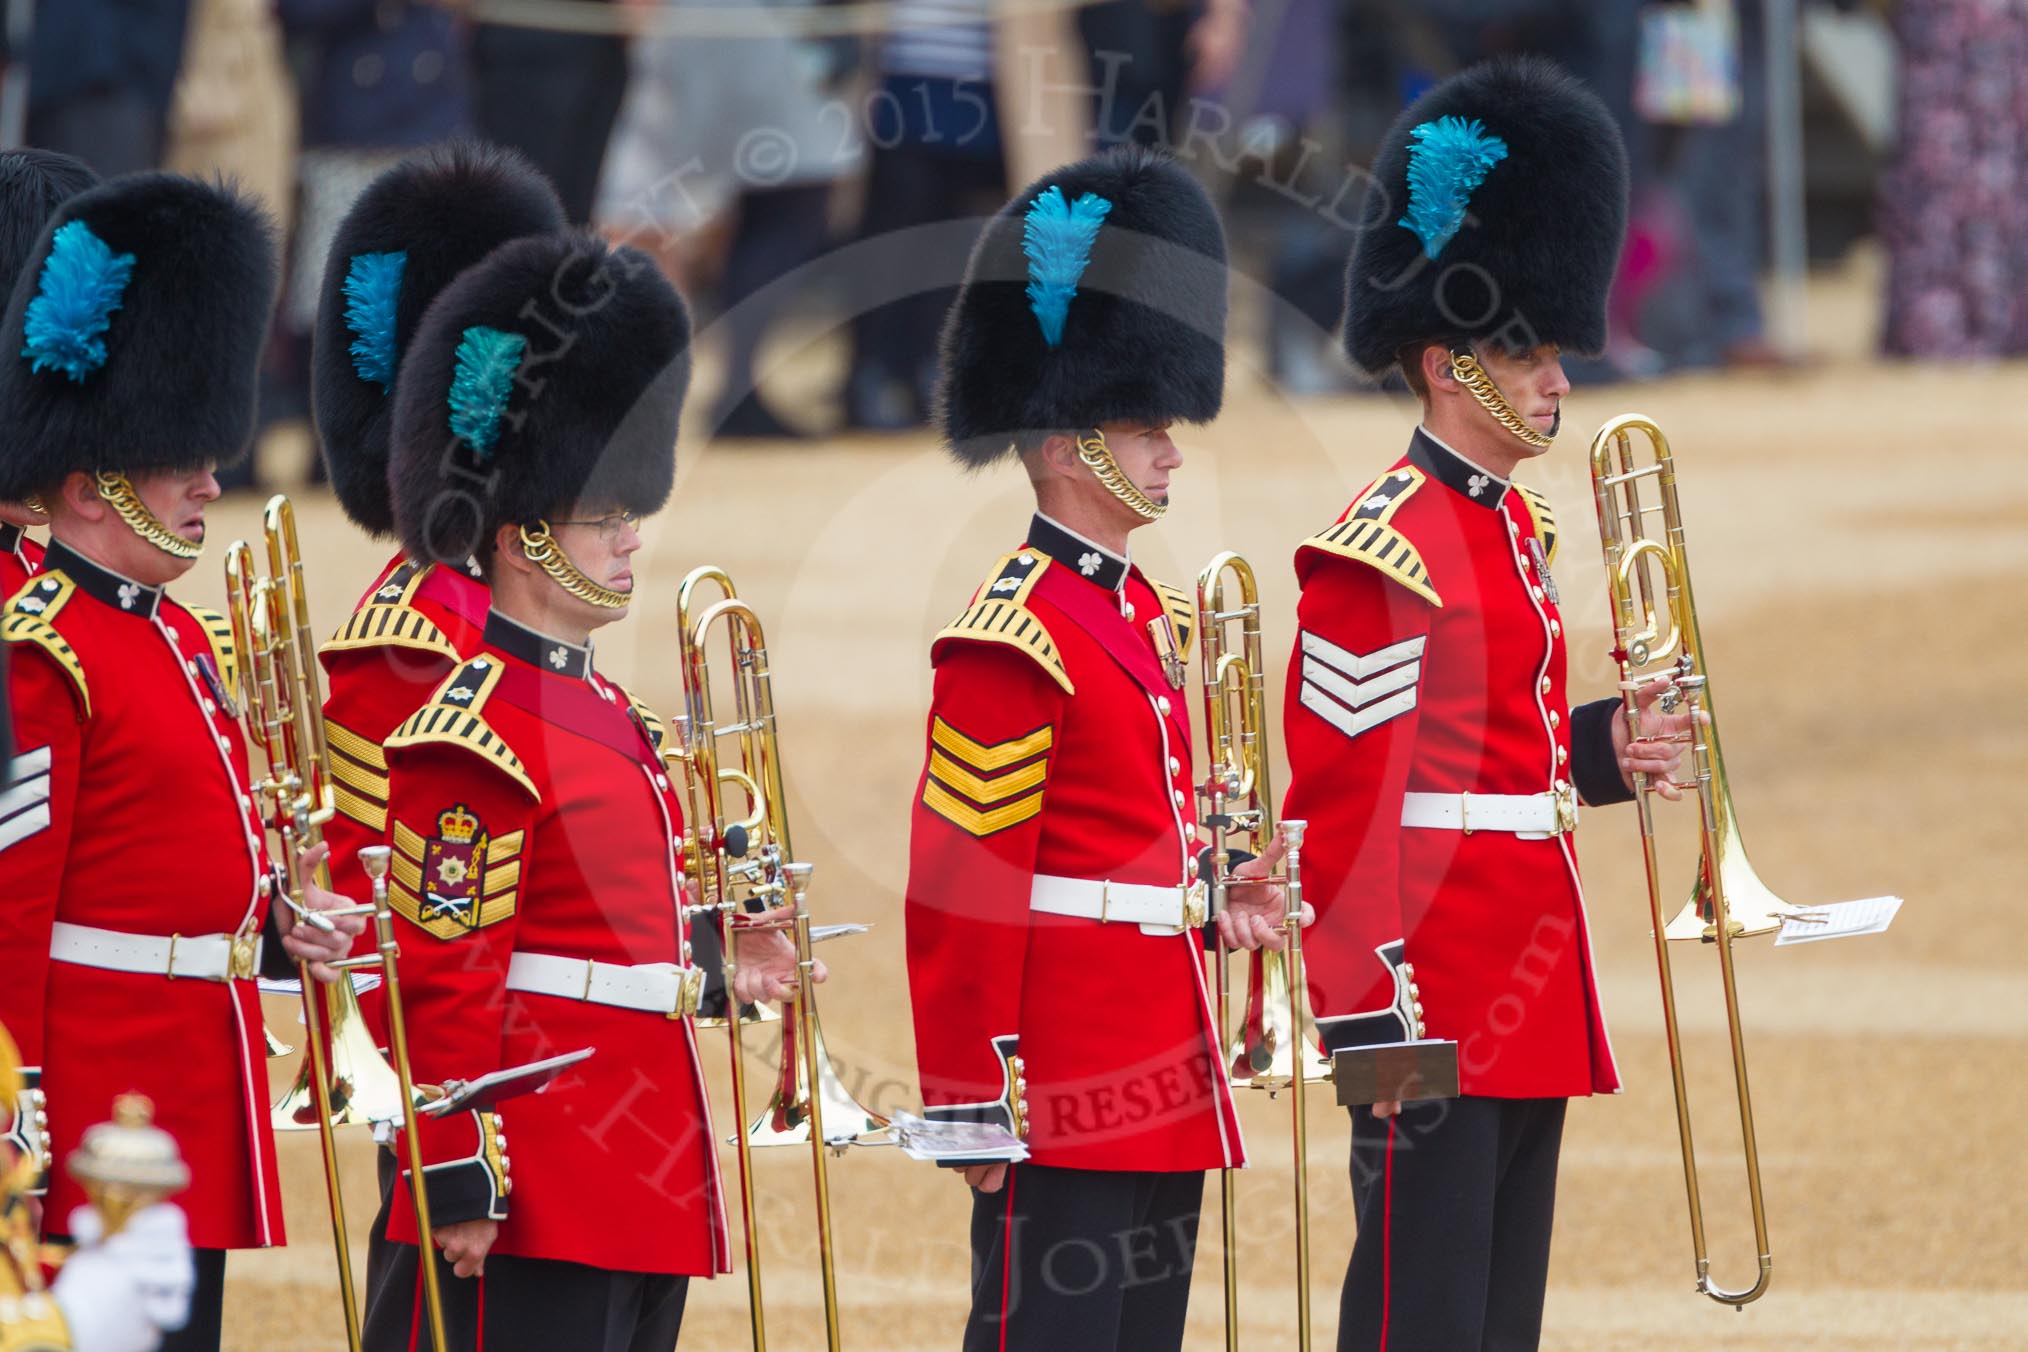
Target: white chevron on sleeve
{"x": 24, "y": 802}
{"x": 1357, "y": 691}
{"x": 1359, "y": 666}
{"x": 1359, "y": 694}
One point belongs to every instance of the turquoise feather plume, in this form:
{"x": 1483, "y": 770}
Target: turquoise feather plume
{"x": 481, "y": 381}
{"x": 1449, "y": 160}
{"x": 1057, "y": 237}
{"x": 82, "y": 283}
{"x": 372, "y": 289}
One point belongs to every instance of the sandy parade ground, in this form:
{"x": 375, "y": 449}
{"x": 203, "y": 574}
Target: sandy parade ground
{"x": 1856, "y": 532}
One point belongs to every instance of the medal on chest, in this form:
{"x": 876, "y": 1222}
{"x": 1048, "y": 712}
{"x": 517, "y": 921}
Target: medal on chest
{"x": 1542, "y": 571}
{"x": 1164, "y": 635}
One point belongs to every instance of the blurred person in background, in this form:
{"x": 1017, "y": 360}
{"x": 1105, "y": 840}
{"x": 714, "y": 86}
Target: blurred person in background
{"x": 1148, "y": 56}
{"x": 100, "y": 74}
{"x": 234, "y": 111}
{"x": 1703, "y": 210}
{"x": 937, "y": 156}
{"x": 553, "y": 95}
{"x": 749, "y": 134}
{"x": 1954, "y": 200}
{"x": 375, "y": 79}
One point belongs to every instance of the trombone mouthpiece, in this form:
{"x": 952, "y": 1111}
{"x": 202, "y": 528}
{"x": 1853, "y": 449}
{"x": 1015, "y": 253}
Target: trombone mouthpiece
{"x": 374, "y": 859}
{"x": 1292, "y": 832}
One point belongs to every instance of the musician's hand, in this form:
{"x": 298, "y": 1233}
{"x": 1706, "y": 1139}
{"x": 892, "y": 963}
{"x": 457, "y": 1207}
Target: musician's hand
{"x": 984, "y": 1177}
{"x": 466, "y": 1244}
{"x": 764, "y": 965}
{"x": 1659, "y": 750}
{"x": 1253, "y": 916}
{"x": 306, "y": 942}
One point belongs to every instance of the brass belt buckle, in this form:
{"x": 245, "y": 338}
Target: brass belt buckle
{"x": 1465, "y": 811}
{"x": 689, "y": 992}
{"x": 1566, "y": 810}
{"x": 243, "y": 962}
{"x": 1105, "y": 899}
{"x": 1193, "y": 907}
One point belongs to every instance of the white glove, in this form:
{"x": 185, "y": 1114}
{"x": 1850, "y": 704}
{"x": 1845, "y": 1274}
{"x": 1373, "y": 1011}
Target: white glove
{"x": 122, "y": 1294}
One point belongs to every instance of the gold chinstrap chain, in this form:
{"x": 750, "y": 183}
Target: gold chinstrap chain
{"x": 1465, "y": 367}
{"x": 121, "y": 497}
{"x": 1092, "y": 449}
{"x": 543, "y": 551}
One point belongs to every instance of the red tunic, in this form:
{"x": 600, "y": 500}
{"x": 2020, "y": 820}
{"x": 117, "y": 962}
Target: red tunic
{"x": 1056, "y": 746}
{"x": 130, "y": 812}
{"x": 20, "y": 558}
{"x": 1430, "y": 659}
{"x": 412, "y": 626}
{"x": 530, "y": 812}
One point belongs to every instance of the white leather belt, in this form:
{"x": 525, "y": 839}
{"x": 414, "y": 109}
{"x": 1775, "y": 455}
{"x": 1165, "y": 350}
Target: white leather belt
{"x": 1163, "y": 910}
{"x": 198, "y": 957}
{"x": 652, "y": 987}
{"x": 1533, "y": 816}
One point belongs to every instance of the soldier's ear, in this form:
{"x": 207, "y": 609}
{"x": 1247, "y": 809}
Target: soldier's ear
{"x": 79, "y": 495}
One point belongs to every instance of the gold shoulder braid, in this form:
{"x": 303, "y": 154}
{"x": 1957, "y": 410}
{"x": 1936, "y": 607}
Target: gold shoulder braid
{"x": 1092, "y": 449}
{"x": 1000, "y": 615}
{"x": 454, "y": 717}
{"x": 1473, "y": 377}
{"x": 120, "y": 495}
{"x": 1367, "y": 534}
{"x": 26, "y": 619}
{"x": 544, "y": 551}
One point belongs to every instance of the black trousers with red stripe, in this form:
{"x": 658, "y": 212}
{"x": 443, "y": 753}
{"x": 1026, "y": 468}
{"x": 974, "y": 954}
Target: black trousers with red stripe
{"x": 521, "y": 1303}
{"x": 1081, "y": 1260}
{"x": 1456, "y": 1199}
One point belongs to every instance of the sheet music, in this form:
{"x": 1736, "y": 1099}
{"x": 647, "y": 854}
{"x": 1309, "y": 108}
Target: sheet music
{"x": 946, "y": 1141}
{"x": 1844, "y": 920}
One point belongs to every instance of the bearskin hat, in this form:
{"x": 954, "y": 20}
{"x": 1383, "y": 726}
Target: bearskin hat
{"x": 133, "y": 337}
{"x": 1096, "y": 295}
{"x": 33, "y": 184}
{"x": 1496, "y": 212}
{"x": 413, "y": 230}
{"x": 551, "y": 374}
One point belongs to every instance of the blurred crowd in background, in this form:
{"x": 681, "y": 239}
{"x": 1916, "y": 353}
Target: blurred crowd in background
{"x": 790, "y": 158}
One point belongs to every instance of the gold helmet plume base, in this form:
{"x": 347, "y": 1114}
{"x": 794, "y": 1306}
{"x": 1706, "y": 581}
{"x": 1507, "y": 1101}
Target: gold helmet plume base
{"x": 1092, "y": 449}
{"x": 1466, "y": 370}
{"x": 543, "y": 551}
{"x": 119, "y": 493}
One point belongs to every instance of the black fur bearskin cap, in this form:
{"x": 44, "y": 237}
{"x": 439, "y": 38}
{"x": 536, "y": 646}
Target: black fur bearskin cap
{"x": 132, "y": 341}
{"x": 1096, "y": 295}
{"x": 551, "y": 374}
{"x": 1496, "y": 212}
{"x": 412, "y": 231}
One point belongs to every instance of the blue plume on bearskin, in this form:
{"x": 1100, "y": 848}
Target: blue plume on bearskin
{"x": 1449, "y": 159}
{"x": 481, "y": 380}
{"x": 372, "y": 290}
{"x": 1057, "y": 238}
{"x": 82, "y": 283}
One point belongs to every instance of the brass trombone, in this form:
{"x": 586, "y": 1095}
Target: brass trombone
{"x": 344, "y": 1078}
{"x": 744, "y": 872}
{"x": 1648, "y": 582}
{"x": 1272, "y": 1050}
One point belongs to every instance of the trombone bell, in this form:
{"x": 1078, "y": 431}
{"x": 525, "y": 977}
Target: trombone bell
{"x": 787, "y": 1119}
{"x": 364, "y": 1089}
{"x": 1751, "y": 905}
{"x": 1263, "y": 1055}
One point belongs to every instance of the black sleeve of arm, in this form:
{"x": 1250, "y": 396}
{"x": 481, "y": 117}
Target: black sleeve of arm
{"x": 1593, "y": 767}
